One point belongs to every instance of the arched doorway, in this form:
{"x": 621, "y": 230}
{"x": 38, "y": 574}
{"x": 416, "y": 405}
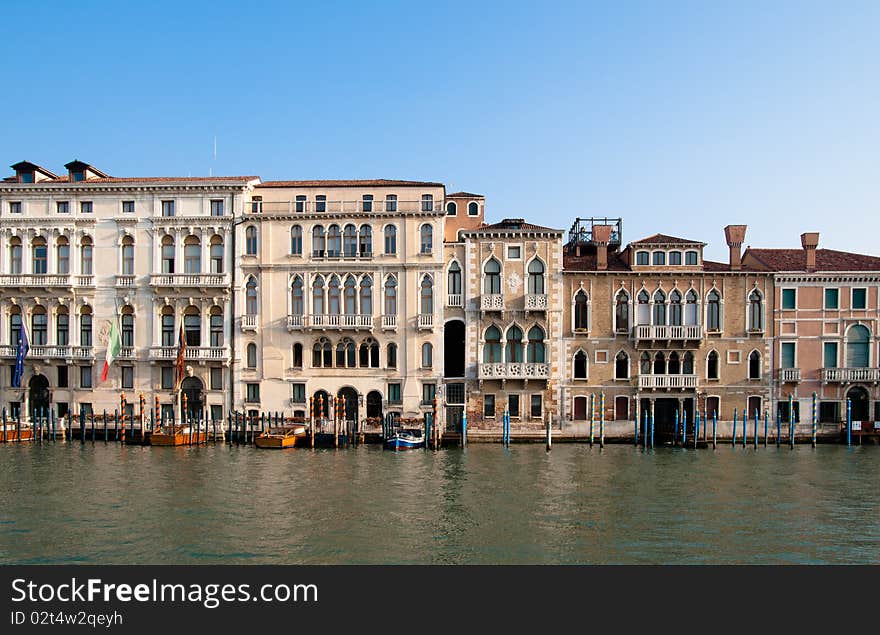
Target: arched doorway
{"x": 453, "y": 349}
{"x": 39, "y": 398}
{"x": 374, "y": 404}
{"x": 320, "y": 405}
{"x": 859, "y": 402}
{"x": 193, "y": 389}
{"x": 351, "y": 402}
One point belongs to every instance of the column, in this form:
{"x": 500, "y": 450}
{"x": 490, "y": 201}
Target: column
{"x": 205, "y": 266}
{"x": 178, "y": 250}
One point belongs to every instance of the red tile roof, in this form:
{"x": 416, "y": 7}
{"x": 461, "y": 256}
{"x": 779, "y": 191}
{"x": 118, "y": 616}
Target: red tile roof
{"x": 663, "y": 239}
{"x": 513, "y": 224}
{"x": 587, "y": 261}
{"x": 464, "y": 195}
{"x": 826, "y": 260}
{"x": 156, "y": 179}
{"x": 350, "y": 183}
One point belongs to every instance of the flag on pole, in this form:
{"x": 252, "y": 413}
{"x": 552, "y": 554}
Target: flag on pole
{"x": 181, "y": 351}
{"x": 114, "y": 347}
{"x": 23, "y": 348}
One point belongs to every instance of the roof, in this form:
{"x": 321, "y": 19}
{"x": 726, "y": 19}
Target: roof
{"x": 587, "y": 261}
{"x": 513, "y": 224}
{"x": 464, "y": 195}
{"x": 27, "y": 165}
{"x": 76, "y": 164}
{"x": 826, "y": 260}
{"x": 152, "y": 179}
{"x": 663, "y": 239}
{"x": 350, "y": 183}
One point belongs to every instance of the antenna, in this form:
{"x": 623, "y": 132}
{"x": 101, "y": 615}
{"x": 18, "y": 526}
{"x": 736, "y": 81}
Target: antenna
{"x": 211, "y": 169}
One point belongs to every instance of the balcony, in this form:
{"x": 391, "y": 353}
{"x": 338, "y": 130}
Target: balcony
{"x": 125, "y": 281}
{"x": 295, "y": 322}
{"x": 513, "y": 370}
{"x": 536, "y": 302}
{"x": 850, "y": 375}
{"x": 334, "y": 254}
{"x": 454, "y": 300}
{"x": 38, "y": 280}
{"x": 678, "y": 382}
{"x": 492, "y": 302}
{"x": 192, "y": 353}
{"x": 248, "y": 322}
{"x": 649, "y": 333}
{"x": 789, "y": 375}
{"x": 51, "y": 352}
{"x": 426, "y": 320}
{"x": 389, "y": 322}
{"x": 333, "y": 321}
{"x": 127, "y": 352}
{"x": 348, "y": 207}
{"x": 187, "y": 280}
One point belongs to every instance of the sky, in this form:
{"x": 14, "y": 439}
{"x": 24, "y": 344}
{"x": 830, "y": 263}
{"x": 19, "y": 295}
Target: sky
{"x": 679, "y": 117}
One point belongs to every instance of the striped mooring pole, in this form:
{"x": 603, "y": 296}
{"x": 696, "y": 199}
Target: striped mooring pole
{"x": 734, "y": 426}
{"x": 815, "y": 420}
{"x": 601, "y": 419}
{"x": 675, "y": 429}
{"x": 848, "y": 422}
{"x": 592, "y": 415}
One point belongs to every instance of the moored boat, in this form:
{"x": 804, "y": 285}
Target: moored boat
{"x": 177, "y": 435}
{"x": 11, "y": 434}
{"x": 281, "y": 438}
{"x": 405, "y": 440}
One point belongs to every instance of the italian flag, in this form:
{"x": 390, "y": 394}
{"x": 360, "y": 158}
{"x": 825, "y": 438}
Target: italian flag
{"x": 114, "y": 346}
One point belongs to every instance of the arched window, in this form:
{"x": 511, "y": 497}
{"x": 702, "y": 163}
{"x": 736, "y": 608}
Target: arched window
{"x": 334, "y": 241}
{"x": 366, "y": 295}
{"x": 451, "y": 208}
{"x": 427, "y": 355}
{"x": 581, "y": 311}
{"x": 62, "y": 327}
{"x": 85, "y": 256}
{"x": 39, "y": 326}
{"x": 427, "y": 296}
{"x": 492, "y": 278}
{"x": 514, "y": 352}
{"x": 659, "y": 308}
{"x": 621, "y": 366}
{"x": 374, "y": 354}
{"x": 168, "y": 254}
{"x": 215, "y": 325}
{"x": 192, "y": 255}
{"x": 15, "y": 255}
{"x": 687, "y": 365}
{"x": 642, "y": 258}
{"x": 858, "y": 340}
{"x": 346, "y": 354}
{"x": 473, "y": 209}
{"x": 319, "y": 244}
{"x": 392, "y": 355}
{"x": 690, "y": 257}
{"x": 85, "y": 326}
{"x": 296, "y": 240}
{"x": 250, "y": 303}
{"x": 675, "y": 308}
{"x": 350, "y": 241}
{"x": 217, "y": 250}
{"x": 754, "y": 365}
{"x": 712, "y": 365}
{"x": 350, "y": 296}
{"x": 492, "y": 346}
{"x": 454, "y": 278}
{"x": 756, "y": 311}
{"x": 674, "y": 366}
{"x": 674, "y": 257}
{"x": 643, "y": 313}
{"x": 365, "y": 244}
{"x": 322, "y": 354}
{"x": 318, "y": 295}
{"x": 252, "y": 355}
{"x": 250, "y": 240}
{"x": 391, "y": 296}
{"x": 128, "y": 326}
{"x": 659, "y": 364}
{"x": 536, "y": 277}
{"x": 691, "y": 314}
{"x": 621, "y": 312}
{"x": 62, "y": 260}
{"x": 535, "y": 352}
{"x": 426, "y": 239}
{"x": 713, "y": 311}
{"x": 390, "y": 240}
{"x": 192, "y": 326}
{"x": 659, "y": 258}
{"x": 580, "y": 365}
{"x": 297, "y": 306}
{"x": 40, "y": 253}
{"x": 168, "y": 326}
{"x": 333, "y": 297}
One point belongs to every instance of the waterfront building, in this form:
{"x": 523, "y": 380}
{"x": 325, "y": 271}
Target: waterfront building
{"x": 657, "y": 327}
{"x": 78, "y": 249}
{"x": 826, "y": 317}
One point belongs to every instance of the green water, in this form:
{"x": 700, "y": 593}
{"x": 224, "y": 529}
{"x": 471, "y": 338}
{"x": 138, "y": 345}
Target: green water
{"x": 72, "y": 503}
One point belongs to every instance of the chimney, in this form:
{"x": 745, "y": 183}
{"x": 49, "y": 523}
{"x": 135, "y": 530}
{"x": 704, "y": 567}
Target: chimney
{"x": 809, "y": 241}
{"x": 735, "y": 235}
{"x": 601, "y": 236}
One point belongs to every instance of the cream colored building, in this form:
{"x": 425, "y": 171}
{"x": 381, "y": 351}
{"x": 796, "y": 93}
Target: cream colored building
{"x": 81, "y": 247}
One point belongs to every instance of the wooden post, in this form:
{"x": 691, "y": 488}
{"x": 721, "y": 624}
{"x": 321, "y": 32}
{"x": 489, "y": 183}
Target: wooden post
{"x": 549, "y": 433}
{"x": 105, "y": 426}
{"x": 435, "y": 410}
{"x": 815, "y": 420}
{"x": 312, "y": 421}
{"x": 592, "y": 415}
{"x": 601, "y": 419}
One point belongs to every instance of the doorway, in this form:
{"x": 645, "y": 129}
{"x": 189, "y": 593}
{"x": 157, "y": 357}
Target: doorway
{"x": 40, "y": 399}
{"x": 858, "y": 398}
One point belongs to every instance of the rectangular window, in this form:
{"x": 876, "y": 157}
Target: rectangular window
{"x": 320, "y": 203}
{"x": 489, "y": 406}
{"x": 167, "y": 208}
{"x": 391, "y": 203}
{"x": 428, "y": 392}
{"x": 513, "y": 406}
{"x": 85, "y": 376}
{"x": 253, "y": 393}
{"x": 859, "y": 298}
{"x": 788, "y": 356}
{"x": 62, "y": 377}
{"x": 832, "y": 299}
{"x": 85, "y": 207}
{"x": 659, "y": 258}
{"x": 537, "y": 402}
{"x": 257, "y": 204}
{"x": 789, "y": 299}
{"x": 86, "y": 410}
{"x": 368, "y": 202}
{"x": 642, "y": 258}
{"x": 299, "y": 393}
{"x": 394, "y": 393}
{"x": 216, "y": 378}
{"x": 674, "y": 257}
{"x": 300, "y": 203}
{"x": 782, "y": 408}
{"x": 128, "y": 377}
{"x": 63, "y": 207}
{"x": 829, "y": 355}
{"x": 216, "y": 413}
{"x": 690, "y": 257}
{"x": 829, "y": 412}
{"x": 217, "y": 208}
{"x": 167, "y": 377}
{"x": 427, "y": 202}
{"x": 514, "y": 252}
{"x": 128, "y": 207}
{"x": 15, "y": 207}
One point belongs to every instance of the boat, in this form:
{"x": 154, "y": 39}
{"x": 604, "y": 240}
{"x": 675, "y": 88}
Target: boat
{"x": 11, "y": 433}
{"x": 281, "y": 438}
{"x": 405, "y": 439}
{"x": 177, "y": 435}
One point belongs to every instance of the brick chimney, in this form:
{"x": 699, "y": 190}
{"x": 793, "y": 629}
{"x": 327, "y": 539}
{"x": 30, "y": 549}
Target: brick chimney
{"x": 601, "y": 237}
{"x": 809, "y": 241}
{"x": 735, "y": 235}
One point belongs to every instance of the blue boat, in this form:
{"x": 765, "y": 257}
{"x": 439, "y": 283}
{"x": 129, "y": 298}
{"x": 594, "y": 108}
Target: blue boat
{"x": 405, "y": 440}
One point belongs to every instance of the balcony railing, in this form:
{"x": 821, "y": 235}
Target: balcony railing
{"x": 667, "y": 332}
{"x": 514, "y": 370}
{"x": 84, "y": 281}
{"x": 454, "y": 300}
{"x": 192, "y": 353}
{"x": 334, "y": 321}
{"x": 389, "y": 322}
{"x": 248, "y": 322}
{"x": 347, "y": 207}
{"x": 492, "y": 302}
{"x": 789, "y": 375}
{"x": 36, "y": 280}
{"x": 51, "y": 351}
{"x": 295, "y": 321}
{"x": 335, "y": 254}
{"x": 668, "y": 381}
{"x": 188, "y": 280}
{"x": 849, "y": 375}
{"x": 125, "y": 280}
{"x": 536, "y": 302}
{"x": 426, "y": 320}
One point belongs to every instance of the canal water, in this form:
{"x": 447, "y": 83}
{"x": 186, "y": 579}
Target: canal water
{"x": 97, "y": 504}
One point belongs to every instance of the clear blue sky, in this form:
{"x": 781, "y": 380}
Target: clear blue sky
{"x": 680, "y": 117}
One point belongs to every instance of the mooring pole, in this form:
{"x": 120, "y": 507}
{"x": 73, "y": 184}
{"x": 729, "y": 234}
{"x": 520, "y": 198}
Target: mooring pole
{"x": 848, "y": 422}
{"x": 652, "y": 424}
{"x": 592, "y": 415}
{"x": 549, "y": 433}
{"x": 601, "y": 419}
{"x": 757, "y": 416}
{"x": 464, "y": 428}
{"x": 684, "y": 428}
{"x": 714, "y": 429}
{"x": 675, "y": 429}
{"x": 636, "y": 422}
{"x": 766, "y": 424}
{"x": 645, "y": 427}
{"x": 745, "y": 425}
{"x": 815, "y": 419}
{"x": 696, "y": 427}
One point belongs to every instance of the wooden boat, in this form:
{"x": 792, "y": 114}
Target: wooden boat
{"x": 177, "y": 435}
{"x": 281, "y": 438}
{"x": 405, "y": 440}
{"x": 12, "y": 434}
